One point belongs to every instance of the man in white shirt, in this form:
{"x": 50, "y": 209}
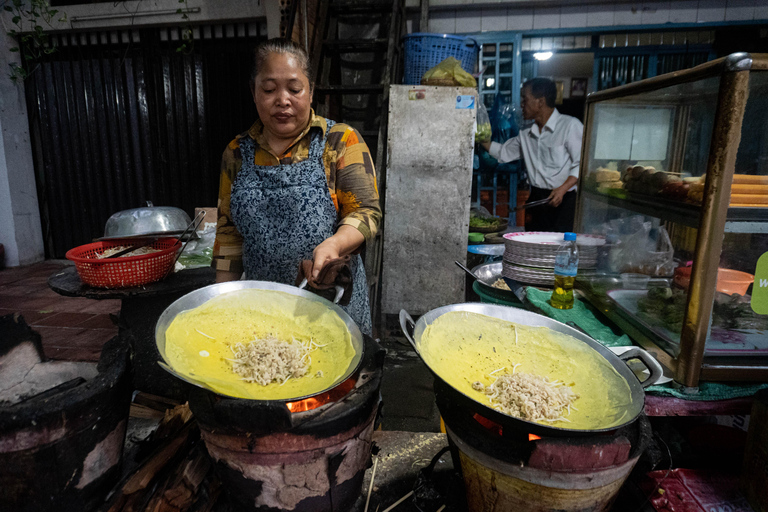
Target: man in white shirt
{"x": 551, "y": 148}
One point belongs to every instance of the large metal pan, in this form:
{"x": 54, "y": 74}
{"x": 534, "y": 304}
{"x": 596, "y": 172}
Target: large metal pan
{"x": 202, "y": 295}
{"x": 414, "y": 331}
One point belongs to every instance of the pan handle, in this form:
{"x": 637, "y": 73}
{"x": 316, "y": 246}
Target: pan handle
{"x": 339, "y": 290}
{"x": 654, "y": 368}
{"x": 405, "y": 322}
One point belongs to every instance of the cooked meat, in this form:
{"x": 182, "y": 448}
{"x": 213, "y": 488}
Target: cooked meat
{"x": 270, "y": 360}
{"x": 530, "y": 397}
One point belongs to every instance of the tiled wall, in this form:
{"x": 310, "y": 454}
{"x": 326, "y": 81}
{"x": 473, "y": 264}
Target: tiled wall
{"x": 466, "y": 19}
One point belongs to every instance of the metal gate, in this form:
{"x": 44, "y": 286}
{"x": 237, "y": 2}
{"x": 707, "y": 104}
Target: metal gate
{"x": 120, "y": 118}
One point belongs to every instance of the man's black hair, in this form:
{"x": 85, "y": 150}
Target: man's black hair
{"x": 543, "y": 88}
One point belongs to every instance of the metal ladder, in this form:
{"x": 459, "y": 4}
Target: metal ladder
{"x": 356, "y": 55}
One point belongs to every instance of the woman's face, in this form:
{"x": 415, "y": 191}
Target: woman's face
{"x": 282, "y": 96}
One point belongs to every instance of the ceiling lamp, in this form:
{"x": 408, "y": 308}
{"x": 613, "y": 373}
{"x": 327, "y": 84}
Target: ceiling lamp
{"x": 542, "y": 55}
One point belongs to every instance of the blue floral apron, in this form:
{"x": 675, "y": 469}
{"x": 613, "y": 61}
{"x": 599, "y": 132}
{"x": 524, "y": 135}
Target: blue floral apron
{"x": 283, "y": 212}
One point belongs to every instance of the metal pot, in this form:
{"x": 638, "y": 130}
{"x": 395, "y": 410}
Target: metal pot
{"x": 202, "y": 295}
{"x": 146, "y": 221}
{"x": 414, "y": 331}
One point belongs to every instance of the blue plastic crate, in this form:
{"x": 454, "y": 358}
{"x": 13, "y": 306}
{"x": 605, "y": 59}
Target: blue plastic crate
{"x": 424, "y": 51}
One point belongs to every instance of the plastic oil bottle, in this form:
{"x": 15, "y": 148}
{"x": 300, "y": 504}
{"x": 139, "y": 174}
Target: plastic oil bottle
{"x": 566, "y": 264}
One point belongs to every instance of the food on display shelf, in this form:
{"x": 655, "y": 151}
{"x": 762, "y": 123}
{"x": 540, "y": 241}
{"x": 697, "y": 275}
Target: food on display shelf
{"x": 610, "y": 185}
{"x": 746, "y": 190}
{"x": 603, "y": 175}
{"x": 664, "y": 307}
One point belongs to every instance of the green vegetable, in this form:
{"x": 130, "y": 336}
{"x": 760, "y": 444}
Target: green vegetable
{"x": 482, "y": 222}
{"x": 483, "y": 133}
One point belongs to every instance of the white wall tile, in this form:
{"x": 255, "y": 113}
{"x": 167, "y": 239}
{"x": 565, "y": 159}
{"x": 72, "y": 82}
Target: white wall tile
{"x": 600, "y": 15}
{"x": 683, "y": 11}
{"x": 655, "y": 13}
{"x": 761, "y": 11}
{"x": 628, "y": 14}
{"x": 442, "y": 22}
{"x": 468, "y": 21}
{"x": 573, "y": 17}
{"x": 738, "y": 10}
{"x": 519, "y": 19}
{"x": 493, "y": 20}
{"x": 711, "y": 11}
{"x": 546, "y": 17}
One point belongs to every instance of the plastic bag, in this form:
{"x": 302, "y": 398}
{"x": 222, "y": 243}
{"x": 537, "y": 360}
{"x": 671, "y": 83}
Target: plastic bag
{"x": 641, "y": 249}
{"x": 483, "y": 133}
{"x": 448, "y": 72}
{"x": 198, "y": 253}
{"x": 504, "y": 121}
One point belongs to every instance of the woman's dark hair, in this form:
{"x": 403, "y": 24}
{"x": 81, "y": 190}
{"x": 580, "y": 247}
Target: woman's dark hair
{"x": 543, "y": 88}
{"x": 280, "y": 45}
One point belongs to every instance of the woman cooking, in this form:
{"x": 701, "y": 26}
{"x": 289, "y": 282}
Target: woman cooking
{"x": 295, "y": 186}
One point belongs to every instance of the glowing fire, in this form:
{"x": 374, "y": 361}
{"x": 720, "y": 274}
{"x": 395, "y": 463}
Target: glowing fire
{"x": 496, "y": 428}
{"x": 331, "y": 396}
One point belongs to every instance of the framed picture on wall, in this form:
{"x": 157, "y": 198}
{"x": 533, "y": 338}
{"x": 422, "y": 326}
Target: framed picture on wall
{"x": 559, "y": 98}
{"x": 578, "y": 87}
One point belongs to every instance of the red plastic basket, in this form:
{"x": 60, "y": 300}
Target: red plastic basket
{"x": 123, "y": 272}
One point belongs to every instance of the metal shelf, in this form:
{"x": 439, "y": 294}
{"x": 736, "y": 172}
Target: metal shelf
{"x": 739, "y": 220}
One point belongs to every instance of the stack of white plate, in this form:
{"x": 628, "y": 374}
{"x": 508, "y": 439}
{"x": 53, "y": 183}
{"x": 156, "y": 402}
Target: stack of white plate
{"x": 529, "y": 257}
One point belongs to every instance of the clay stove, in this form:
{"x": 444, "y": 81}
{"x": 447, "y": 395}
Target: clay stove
{"x": 307, "y": 455}
{"x": 510, "y": 469}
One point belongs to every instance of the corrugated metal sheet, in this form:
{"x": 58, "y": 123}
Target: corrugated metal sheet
{"x": 118, "y": 119}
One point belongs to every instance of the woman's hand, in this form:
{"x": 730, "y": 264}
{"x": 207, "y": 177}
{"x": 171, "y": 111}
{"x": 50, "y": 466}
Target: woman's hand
{"x": 345, "y": 241}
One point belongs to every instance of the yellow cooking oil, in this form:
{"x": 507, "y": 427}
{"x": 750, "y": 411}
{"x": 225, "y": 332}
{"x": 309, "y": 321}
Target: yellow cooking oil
{"x": 562, "y": 295}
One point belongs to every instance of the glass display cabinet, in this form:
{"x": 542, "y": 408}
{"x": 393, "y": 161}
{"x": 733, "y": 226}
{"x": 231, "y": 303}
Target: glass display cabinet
{"x": 674, "y": 173}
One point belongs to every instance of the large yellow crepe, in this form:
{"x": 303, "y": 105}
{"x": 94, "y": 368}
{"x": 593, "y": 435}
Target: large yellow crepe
{"x": 463, "y": 348}
{"x": 198, "y": 341}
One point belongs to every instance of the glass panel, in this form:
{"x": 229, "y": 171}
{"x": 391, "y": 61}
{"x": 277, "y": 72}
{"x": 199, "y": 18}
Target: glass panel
{"x": 490, "y": 70}
{"x": 505, "y": 84}
{"x": 752, "y": 158}
{"x": 506, "y": 57}
{"x": 489, "y": 50}
{"x": 739, "y": 325}
{"x": 488, "y": 100}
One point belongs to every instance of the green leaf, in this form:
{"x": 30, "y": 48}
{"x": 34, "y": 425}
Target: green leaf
{"x": 14, "y": 49}
{"x": 178, "y": 11}
{"x": 8, "y": 8}
{"x": 16, "y": 19}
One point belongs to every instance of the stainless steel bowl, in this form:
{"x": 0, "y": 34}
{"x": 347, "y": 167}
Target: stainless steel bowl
{"x": 147, "y": 221}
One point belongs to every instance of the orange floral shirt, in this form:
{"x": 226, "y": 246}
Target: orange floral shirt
{"x": 349, "y": 172}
